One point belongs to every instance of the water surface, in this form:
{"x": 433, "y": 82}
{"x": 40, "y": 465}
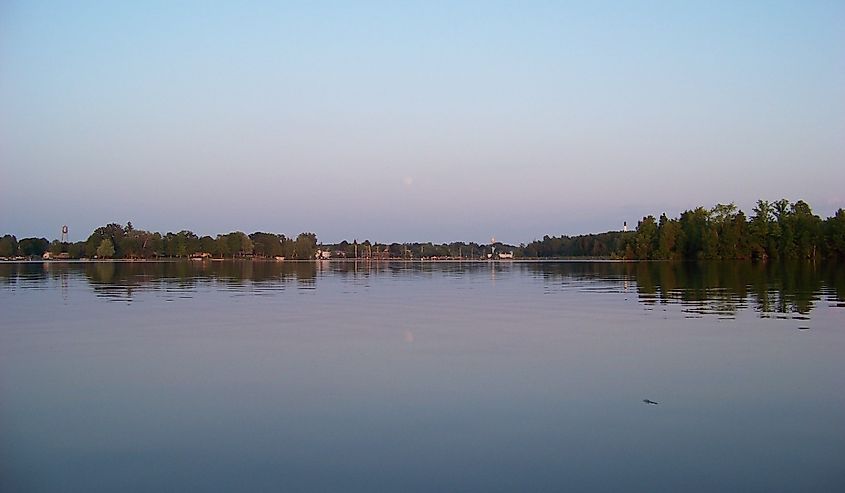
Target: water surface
{"x": 262, "y": 376}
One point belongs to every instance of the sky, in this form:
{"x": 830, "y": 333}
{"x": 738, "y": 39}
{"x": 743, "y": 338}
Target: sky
{"x": 413, "y": 121}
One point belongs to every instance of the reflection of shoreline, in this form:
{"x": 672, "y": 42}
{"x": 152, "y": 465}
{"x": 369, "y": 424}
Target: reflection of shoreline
{"x": 564, "y": 260}
{"x": 721, "y": 288}
{"x": 708, "y": 288}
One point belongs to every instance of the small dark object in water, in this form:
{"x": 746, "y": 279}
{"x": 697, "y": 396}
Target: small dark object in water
{"x": 649, "y": 401}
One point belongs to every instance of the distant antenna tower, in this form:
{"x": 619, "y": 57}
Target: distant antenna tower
{"x": 64, "y": 234}
{"x": 625, "y": 226}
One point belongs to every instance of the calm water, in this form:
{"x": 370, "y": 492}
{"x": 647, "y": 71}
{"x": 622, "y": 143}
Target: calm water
{"x": 227, "y": 376}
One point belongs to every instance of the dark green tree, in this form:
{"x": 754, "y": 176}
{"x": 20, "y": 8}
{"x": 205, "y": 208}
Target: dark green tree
{"x": 807, "y": 228}
{"x": 33, "y": 247}
{"x": 8, "y": 246}
{"x": 669, "y": 239}
{"x": 646, "y": 238}
{"x": 305, "y": 246}
{"x": 834, "y": 235}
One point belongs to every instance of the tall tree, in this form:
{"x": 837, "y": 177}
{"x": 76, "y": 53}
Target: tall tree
{"x": 762, "y": 243}
{"x": 669, "y": 239}
{"x": 33, "y": 247}
{"x": 305, "y": 246}
{"x": 8, "y": 246}
{"x": 834, "y": 235}
{"x": 807, "y": 229}
{"x": 785, "y": 230}
{"x": 106, "y": 249}
{"x": 646, "y": 238}
{"x": 723, "y": 223}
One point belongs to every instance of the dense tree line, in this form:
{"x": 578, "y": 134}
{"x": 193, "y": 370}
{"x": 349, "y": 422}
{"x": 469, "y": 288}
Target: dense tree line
{"x": 127, "y": 242}
{"x": 602, "y": 245}
{"x": 415, "y": 250}
{"x": 27, "y": 247}
{"x": 775, "y": 230}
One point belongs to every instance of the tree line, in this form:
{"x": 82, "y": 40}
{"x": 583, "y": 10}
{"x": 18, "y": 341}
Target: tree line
{"x": 127, "y": 242}
{"x": 775, "y": 230}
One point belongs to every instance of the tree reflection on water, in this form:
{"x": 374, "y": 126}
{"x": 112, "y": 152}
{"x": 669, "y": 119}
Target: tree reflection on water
{"x": 706, "y": 288}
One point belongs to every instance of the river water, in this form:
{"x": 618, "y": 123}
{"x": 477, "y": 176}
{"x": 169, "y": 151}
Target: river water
{"x": 507, "y": 376}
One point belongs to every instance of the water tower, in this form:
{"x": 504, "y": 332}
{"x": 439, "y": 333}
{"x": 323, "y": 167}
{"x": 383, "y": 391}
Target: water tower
{"x": 64, "y": 234}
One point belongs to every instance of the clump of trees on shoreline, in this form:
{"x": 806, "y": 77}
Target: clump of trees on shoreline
{"x": 775, "y": 230}
{"x": 127, "y": 242}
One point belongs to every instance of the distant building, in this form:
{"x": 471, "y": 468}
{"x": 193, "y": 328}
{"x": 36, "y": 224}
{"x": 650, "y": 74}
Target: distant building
{"x": 56, "y": 256}
{"x": 506, "y": 255}
{"x": 323, "y": 254}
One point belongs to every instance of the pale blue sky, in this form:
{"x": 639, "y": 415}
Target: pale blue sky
{"x": 403, "y": 121}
